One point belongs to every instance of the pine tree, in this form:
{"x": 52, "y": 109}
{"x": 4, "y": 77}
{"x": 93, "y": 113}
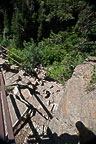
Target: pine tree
{"x": 6, "y": 25}
{"x": 19, "y": 23}
{"x": 17, "y": 29}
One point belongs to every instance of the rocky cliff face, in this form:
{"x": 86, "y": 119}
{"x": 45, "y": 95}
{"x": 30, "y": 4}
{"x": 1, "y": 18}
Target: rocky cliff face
{"x": 77, "y": 108}
{"x": 60, "y": 114}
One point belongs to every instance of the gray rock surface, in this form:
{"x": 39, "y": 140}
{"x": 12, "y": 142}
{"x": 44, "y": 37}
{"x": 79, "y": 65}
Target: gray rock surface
{"x": 77, "y": 105}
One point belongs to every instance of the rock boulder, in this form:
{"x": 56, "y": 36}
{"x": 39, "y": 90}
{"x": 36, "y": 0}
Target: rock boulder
{"x": 76, "y": 104}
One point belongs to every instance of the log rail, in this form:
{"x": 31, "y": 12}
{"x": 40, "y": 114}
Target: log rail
{"x": 3, "y": 51}
{"x": 6, "y": 130}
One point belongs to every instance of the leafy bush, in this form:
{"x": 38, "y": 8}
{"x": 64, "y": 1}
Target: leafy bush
{"x": 52, "y": 54}
{"x": 4, "y": 42}
{"x": 62, "y": 53}
{"x": 32, "y": 56}
{"x": 56, "y": 71}
{"x": 63, "y": 71}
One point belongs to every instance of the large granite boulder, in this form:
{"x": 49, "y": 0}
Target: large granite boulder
{"x": 77, "y": 107}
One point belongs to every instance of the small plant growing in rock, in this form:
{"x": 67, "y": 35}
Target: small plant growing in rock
{"x": 90, "y": 87}
{"x": 93, "y": 80}
{"x": 8, "y": 89}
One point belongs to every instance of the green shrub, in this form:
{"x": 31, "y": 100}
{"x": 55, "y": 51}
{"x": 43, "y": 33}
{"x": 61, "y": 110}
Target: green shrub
{"x": 32, "y": 56}
{"x": 52, "y": 54}
{"x": 62, "y": 53}
{"x": 56, "y": 71}
{"x": 63, "y": 70}
{"x": 4, "y": 42}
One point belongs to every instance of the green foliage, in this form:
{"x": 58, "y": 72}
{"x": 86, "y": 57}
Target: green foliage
{"x": 52, "y": 54}
{"x": 32, "y": 56}
{"x": 93, "y": 80}
{"x": 63, "y": 71}
{"x": 37, "y": 18}
{"x": 17, "y": 29}
{"x": 4, "y": 42}
{"x": 91, "y": 85}
{"x": 61, "y": 54}
{"x": 56, "y": 71}
{"x": 64, "y": 33}
{"x": 86, "y": 23}
{"x": 6, "y": 24}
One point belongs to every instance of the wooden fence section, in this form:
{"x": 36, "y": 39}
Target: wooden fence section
{"x": 3, "y": 51}
{"x": 6, "y": 130}
{"x": 2, "y": 130}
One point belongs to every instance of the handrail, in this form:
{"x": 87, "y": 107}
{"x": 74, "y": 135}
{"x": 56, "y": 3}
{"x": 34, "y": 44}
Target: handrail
{"x": 10, "y": 52}
{"x": 3, "y": 48}
{"x": 13, "y": 59}
{"x": 6, "y": 114}
{"x": 2, "y": 130}
{"x": 6, "y": 130}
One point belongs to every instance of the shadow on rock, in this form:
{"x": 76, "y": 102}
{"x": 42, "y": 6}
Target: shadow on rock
{"x": 50, "y": 138}
{"x": 68, "y": 139}
{"x": 86, "y": 136}
{"x": 63, "y": 138}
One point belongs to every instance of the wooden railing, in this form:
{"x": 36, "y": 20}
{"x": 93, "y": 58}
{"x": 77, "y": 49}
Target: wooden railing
{"x": 3, "y": 51}
{"x": 6, "y": 130}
